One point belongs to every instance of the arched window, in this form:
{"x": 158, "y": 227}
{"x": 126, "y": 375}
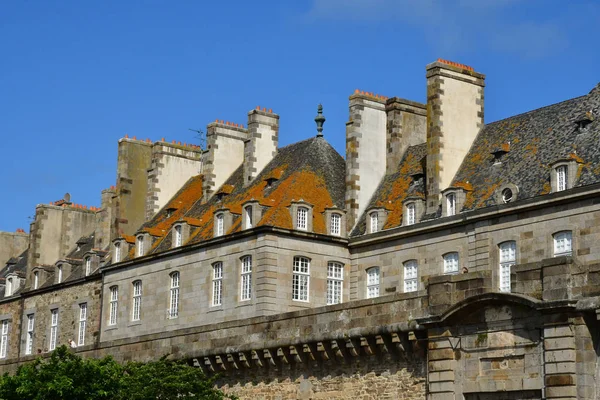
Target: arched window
{"x": 248, "y": 216}
{"x": 300, "y": 279}
{"x": 88, "y": 265}
{"x": 451, "y": 263}
{"x": 174, "y": 295}
{"x": 508, "y": 258}
{"x": 374, "y": 217}
{"x": 140, "y": 245}
{"x": 220, "y": 229}
{"x": 59, "y": 274}
{"x": 117, "y": 252}
{"x": 36, "y": 279}
{"x": 450, "y": 204}
{"x": 9, "y": 287}
{"x": 563, "y": 243}
{"x": 372, "y": 282}
{"x": 410, "y": 276}
{"x": 178, "y": 236}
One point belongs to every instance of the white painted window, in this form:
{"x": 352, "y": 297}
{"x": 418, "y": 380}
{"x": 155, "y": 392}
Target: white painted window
{"x": 248, "y": 216}
{"x": 9, "y": 287}
{"x": 561, "y": 178}
{"x": 136, "y": 309}
{"x": 88, "y": 265}
{"x": 220, "y": 224}
{"x": 36, "y": 279}
{"x": 29, "y": 340}
{"x": 410, "y": 276}
{"x": 4, "y": 339}
{"x": 374, "y": 222}
{"x": 140, "y": 246}
{"x": 508, "y": 258}
{"x": 114, "y": 299}
{"x": 450, "y": 204}
{"x": 301, "y": 279}
{"x": 335, "y": 282}
{"x": 372, "y": 282}
{"x": 59, "y": 273}
{"x": 174, "y": 296}
{"x": 117, "y": 252}
{"x": 246, "y": 281}
{"x": 410, "y": 214}
{"x": 302, "y": 218}
{"x": 53, "y": 328}
{"x": 335, "y": 224}
{"x": 178, "y": 236}
{"x": 82, "y": 324}
{"x": 451, "y": 263}
{"x": 217, "y": 294}
{"x": 563, "y": 243}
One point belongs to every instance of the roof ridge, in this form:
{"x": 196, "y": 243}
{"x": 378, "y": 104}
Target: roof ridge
{"x": 535, "y": 110}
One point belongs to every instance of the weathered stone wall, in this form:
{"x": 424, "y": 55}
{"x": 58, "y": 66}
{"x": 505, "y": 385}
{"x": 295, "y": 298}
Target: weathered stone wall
{"x": 406, "y": 126}
{"x": 11, "y": 310}
{"x": 263, "y": 135}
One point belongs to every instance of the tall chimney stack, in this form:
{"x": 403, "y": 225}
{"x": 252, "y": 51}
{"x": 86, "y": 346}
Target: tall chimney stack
{"x": 261, "y": 145}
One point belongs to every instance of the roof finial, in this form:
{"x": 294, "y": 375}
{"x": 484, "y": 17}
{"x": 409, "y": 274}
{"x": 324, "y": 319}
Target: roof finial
{"x": 320, "y": 120}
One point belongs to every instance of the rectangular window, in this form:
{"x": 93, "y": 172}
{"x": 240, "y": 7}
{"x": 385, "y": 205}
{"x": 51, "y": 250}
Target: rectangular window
{"x": 29, "y": 340}
{"x": 117, "y": 252}
{"x": 82, "y": 324}
{"x": 563, "y": 244}
{"x": 88, "y": 265}
{"x": 300, "y": 279}
{"x": 246, "y": 281}
{"x": 410, "y": 276}
{"x": 335, "y": 282}
{"x": 302, "y": 218}
{"x": 4, "y": 339}
{"x": 451, "y": 204}
{"x": 410, "y": 213}
{"x": 220, "y": 224}
{"x": 561, "y": 178}
{"x": 335, "y": 224}
{"x": 248, "y": 216}
{"x": 174, "y": 302}
{"x": 59, "y": 272}
{"x": 374, "y": 222}
{"x": 217, "y": 295}
{"x": 372, "y": 282}
{"x": 140, "y": 244}
{"x": 178, "y": 236}
{"x": 53, "y": 328}
{"x": 112, "y": 313}
{"x": 36, "y": 279}
{"x": 136, "y": 308}
{"x": 451, "y": 263}
{"x": 508, "y": 257}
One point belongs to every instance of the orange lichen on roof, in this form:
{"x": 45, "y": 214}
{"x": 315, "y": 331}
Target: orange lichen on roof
{"x": 180, "y": 204}
{"x": 472, "y": 202}
{"x": 154, "y": 231}
{"x": 226, "y": 189}
{"x": 547, "y": 188}
{"x": 129, "y": 238}
{"x": 575, "y": 157}
{"x": 192, "y": 221}
{"x": 275, "y": 174}
{"x": 464, "y": 185}
{"x": 505, "y": 147}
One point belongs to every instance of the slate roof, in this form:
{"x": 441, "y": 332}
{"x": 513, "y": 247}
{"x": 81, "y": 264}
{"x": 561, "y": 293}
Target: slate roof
{"x": 310, "y": 170}
{"x": 16, "y": 265}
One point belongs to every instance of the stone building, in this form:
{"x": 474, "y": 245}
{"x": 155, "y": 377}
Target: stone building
{"x": 443, "y": 258}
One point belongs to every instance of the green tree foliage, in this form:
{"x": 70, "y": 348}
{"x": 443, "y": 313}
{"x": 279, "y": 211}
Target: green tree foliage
{"x": 65, "y": 375}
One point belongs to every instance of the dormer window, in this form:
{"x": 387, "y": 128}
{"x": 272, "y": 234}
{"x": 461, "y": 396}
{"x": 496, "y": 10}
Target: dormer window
{"x": 9, "y": 287}
{"x": 140, "y": 245}
{"x": 561, "y": 178}
{"x": 117, "y": 252}
{"x": 170, "y": 211}
{"x": 410, "y": 213}
{"x": 450, "y": 204}
{"x": 36, "y": 279}
{"x": 220, "y": 228}
{"x": 59, "y": 274}
{"x": 222, "y": 221}
{"x": 88, "y": 265}
{"x": 178, "y": 235}
{"x": 335, "y": 224}
{"x": 374, "y": 221}
{"x": 248, "y": 217}
{"x": 302, "y": 218}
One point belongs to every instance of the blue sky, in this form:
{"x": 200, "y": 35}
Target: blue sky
{"x": 75, "y": 76}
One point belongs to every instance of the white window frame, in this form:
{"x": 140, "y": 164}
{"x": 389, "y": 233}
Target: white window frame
{"x": 113, "y": 305}
{"x": 36, "y": 279}
{"x": 563, "y": 243}
{"x": 335, "y": 224}
{"x": 136, "y": 301}
{"x": 220, "y": 230}
{"x": 451, "y": 263}
{"x": 178, "y": 235}
{"x": 335, "y": 282}
{"x": 29, "y": 339}
{"x": 59, "y": 273}
{"x": 9, "y": 286}
{"x": 4, "y": 338}
{"x": 217, "y": 286}
{"x": 82, "y": 324}
{"x": 53, "y": 329}
{"x": 561, "y": 178}
{"x": 117, "y": 252}
{"x": 374, "y": 218}
{"x": 301, "y": 279}
{"x": 140, "y": 245}
{"x": 450, "y": 204}
{"x": 507, "y": 254}
{"x": 248, "y": 217}
{"x": 88, "y": 265}
{"x": 302, "y": 218}
{"x": 246, "y": 278}
{"x": 173, "y": 311}
{"x": 411, "y": 276}
{"x": 411, "y": 213}
{"x": 373, "y": 282}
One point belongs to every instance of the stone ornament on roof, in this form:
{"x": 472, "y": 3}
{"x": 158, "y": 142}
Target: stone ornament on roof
{"x": 320, "y": 120}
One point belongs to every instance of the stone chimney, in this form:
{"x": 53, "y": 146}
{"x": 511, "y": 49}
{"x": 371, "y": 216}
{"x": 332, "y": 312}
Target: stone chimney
{"x": 104, "y": 219}
{"x": 454, "y": 118}
{"x": 406, "y": 126}
{"x": 224, "y": 154}
{"x": 365, "y": 150}
{"x": 261, "y": 145}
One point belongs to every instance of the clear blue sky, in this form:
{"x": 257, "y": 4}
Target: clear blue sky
{"x": 75, "y": 76}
